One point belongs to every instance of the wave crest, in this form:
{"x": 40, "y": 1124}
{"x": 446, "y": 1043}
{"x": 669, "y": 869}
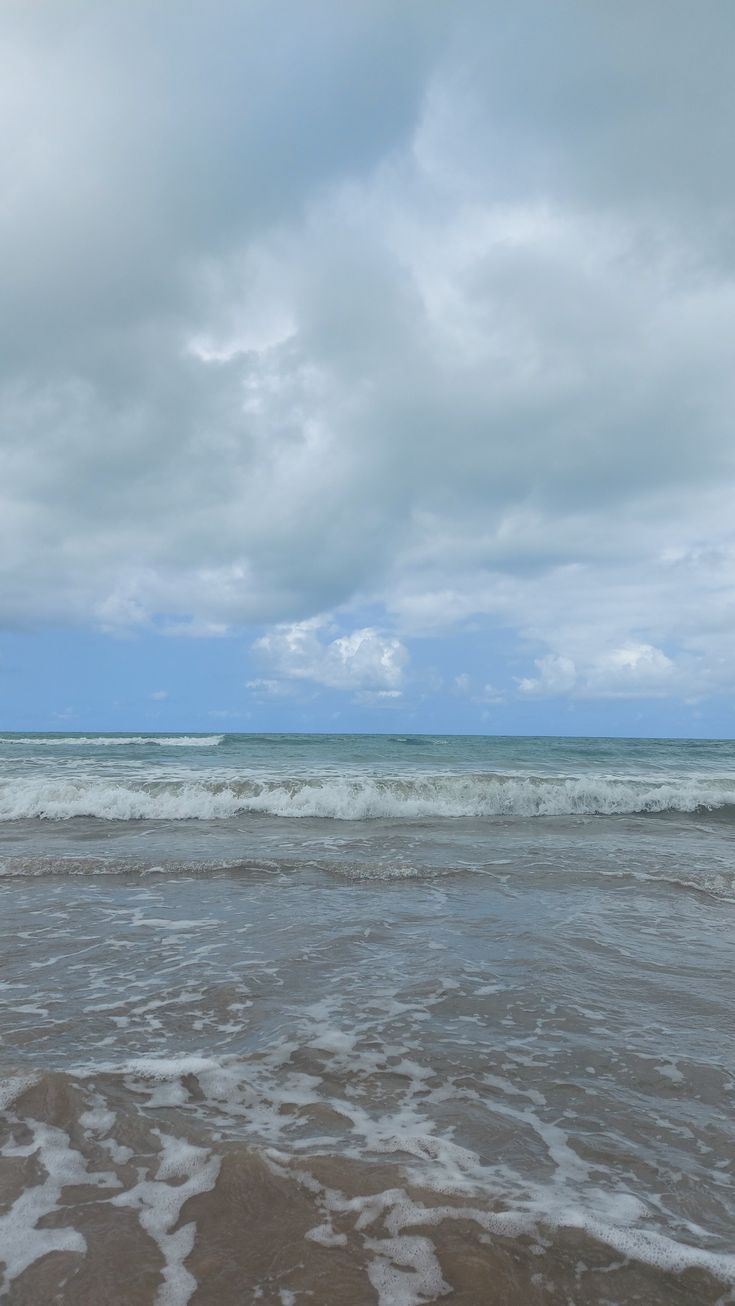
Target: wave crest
{"x": 114, "y": 741}
{"x": 359, "y": 798}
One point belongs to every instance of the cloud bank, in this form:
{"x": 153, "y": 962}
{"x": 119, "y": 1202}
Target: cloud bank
{"x": 422, "y": 310}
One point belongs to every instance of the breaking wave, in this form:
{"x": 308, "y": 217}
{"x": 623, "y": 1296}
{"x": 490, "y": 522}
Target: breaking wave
{"x": 359, "y": 798}
{"x": 114, "y": 741}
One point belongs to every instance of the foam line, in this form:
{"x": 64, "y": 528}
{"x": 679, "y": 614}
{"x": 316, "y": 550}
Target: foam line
{"x": 357, "y": 798}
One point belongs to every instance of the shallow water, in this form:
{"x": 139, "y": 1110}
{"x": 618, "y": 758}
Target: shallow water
{"x": 402, "y": 1059}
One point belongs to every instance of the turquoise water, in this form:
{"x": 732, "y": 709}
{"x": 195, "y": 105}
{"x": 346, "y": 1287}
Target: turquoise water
{"x": 402, "y": 753}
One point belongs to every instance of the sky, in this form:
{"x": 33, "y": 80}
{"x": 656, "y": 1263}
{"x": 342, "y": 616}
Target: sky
{"x": 367, "y": 366}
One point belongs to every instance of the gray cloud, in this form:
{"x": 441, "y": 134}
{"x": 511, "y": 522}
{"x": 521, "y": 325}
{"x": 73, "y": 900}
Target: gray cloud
{"x": 319, "y": 305}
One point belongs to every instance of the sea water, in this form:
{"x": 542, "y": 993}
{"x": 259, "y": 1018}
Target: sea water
{"x": 351, "y": 1019}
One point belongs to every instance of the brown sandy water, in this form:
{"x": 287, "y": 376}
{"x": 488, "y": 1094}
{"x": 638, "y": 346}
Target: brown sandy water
{"x": 301, "y": 1084}
{"x": 131, "y": 1212}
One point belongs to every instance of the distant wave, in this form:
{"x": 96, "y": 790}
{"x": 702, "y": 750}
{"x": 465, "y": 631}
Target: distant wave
{"x": 358, "y": 798}
{"x": 114, "y": 741}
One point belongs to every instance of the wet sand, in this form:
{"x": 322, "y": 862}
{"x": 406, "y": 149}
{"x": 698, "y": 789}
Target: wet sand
{"x": 135, "y": 1214}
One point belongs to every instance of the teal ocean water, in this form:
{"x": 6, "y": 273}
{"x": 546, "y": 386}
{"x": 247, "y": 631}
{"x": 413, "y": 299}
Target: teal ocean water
{"x": 358, "y": 1019}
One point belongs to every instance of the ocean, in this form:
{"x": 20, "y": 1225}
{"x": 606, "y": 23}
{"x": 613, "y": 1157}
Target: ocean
{"x": 330, "y": 1020}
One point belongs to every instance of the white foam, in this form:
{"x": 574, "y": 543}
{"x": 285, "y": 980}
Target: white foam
{"x": 356, "y": 798}
{"x": 12, "y": 1087}
{"x": 21, "y": 1239}
{"x": 326, "y": 1236}
{"x": 611, "y": 1218}
{"x": 151, "y": 1068}
{"x": 97, "y": 1119}
{"x": 159, "y": 1206}
{"x": 405, "y": 1271}
{"x": 115, "y": 741}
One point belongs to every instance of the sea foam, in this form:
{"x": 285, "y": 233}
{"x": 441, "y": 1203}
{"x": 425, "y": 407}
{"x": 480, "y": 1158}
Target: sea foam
{"x": 114, "y": 741}
{"x": 357, "y": 798}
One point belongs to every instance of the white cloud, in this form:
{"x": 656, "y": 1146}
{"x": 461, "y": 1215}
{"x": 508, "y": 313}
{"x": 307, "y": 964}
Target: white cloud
{"x": 633, "y": 671}
{"x": 159, "y": 695}
{"x": 557, "y": 675}
{"x": 636, "y": 670}
{"x": 365, "y": 660}
{"x": 468, "y": 687}
{"x": 267, "y": 687}
{"x": 192, "y": 628}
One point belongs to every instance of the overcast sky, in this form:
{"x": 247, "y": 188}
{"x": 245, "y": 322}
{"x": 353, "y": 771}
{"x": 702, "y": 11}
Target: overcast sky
{"x": 368, "y": 365}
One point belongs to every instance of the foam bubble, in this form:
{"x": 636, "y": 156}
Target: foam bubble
{"x": 13, "y": 1086}
{"x": 405, "y": 1271}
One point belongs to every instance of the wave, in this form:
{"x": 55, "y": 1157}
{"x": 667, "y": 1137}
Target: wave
{"x": 359, "y": 798}
{"x": 114, "y": 741}
{"x": 717, "y": 886}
